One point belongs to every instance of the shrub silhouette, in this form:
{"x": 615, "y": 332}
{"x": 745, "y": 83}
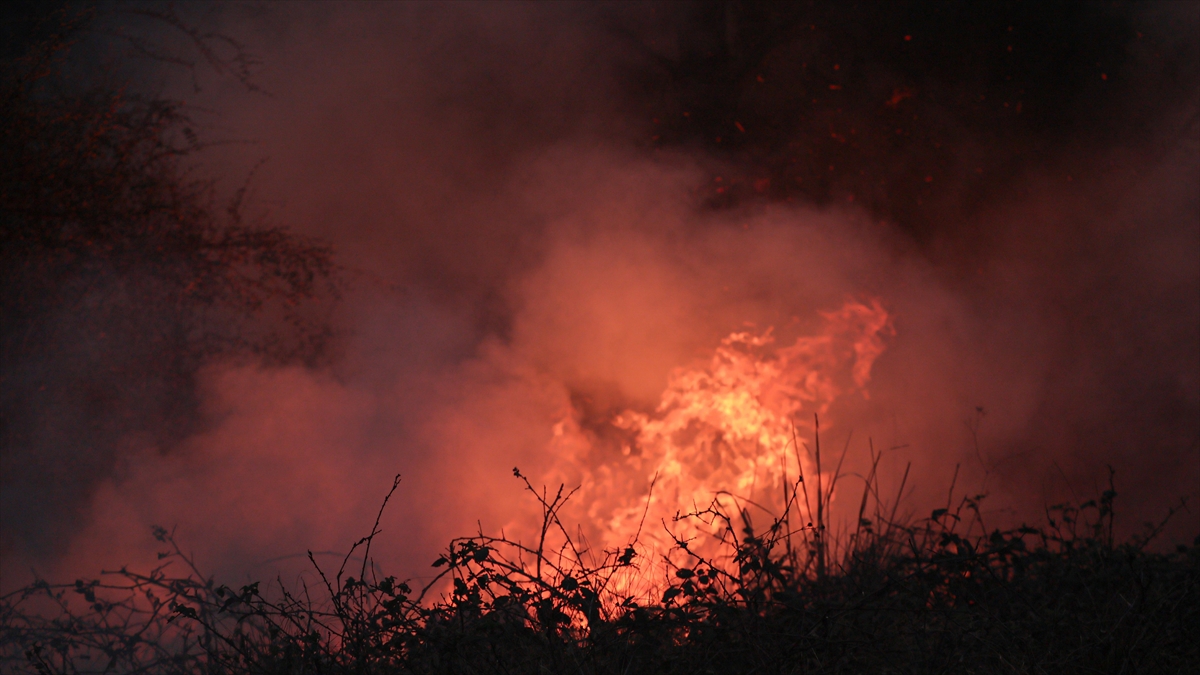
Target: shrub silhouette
{"x": 941, "y": 594}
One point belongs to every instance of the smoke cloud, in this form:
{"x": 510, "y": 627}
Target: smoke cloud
{"x": 530, "y": 239}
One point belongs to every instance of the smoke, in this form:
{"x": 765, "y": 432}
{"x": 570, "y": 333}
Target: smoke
{"x": 530, "y": 242}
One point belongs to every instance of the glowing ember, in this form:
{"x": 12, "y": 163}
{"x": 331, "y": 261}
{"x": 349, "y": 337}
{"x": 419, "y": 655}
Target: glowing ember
{"x": 724, "y": 430}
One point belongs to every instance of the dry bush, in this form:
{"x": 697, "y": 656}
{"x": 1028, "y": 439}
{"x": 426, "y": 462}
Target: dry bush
{"x": 942, "y": 594}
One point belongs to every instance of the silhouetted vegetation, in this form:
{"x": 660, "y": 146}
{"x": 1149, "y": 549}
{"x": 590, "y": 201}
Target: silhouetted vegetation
{"x": 942, "y": 594}
{"x": 121, "y": 274}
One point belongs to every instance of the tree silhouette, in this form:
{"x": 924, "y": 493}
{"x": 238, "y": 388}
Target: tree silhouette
{"x": 121, "y": 275}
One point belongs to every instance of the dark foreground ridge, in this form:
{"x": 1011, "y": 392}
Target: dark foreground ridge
{"x": 939, "y": 595}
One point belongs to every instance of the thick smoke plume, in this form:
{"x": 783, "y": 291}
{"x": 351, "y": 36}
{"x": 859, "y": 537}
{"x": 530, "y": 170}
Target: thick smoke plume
{"x": 545, "y": 209}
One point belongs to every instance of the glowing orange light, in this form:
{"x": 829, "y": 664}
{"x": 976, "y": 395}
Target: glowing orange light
{"x": 724, "y": 430}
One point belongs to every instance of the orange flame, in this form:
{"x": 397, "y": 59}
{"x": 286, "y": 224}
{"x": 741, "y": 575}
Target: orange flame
{"x": 723, "y": 430}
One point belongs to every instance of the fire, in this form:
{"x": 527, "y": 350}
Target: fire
{"x": 725, "y": 430}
